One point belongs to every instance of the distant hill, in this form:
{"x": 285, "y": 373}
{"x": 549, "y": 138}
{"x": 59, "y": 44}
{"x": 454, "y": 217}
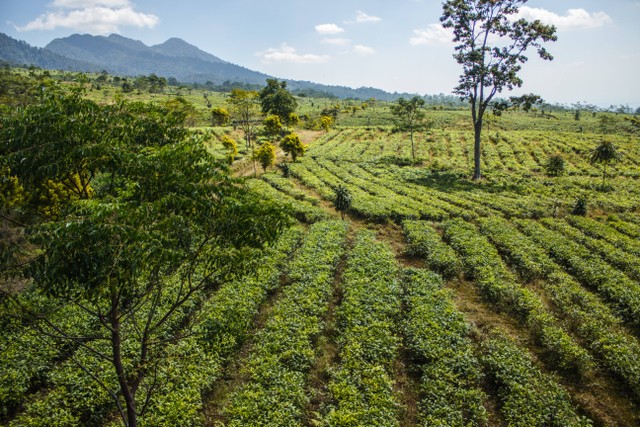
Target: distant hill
{"x": 174, "y": 58}
{"x": 20, "y": 53}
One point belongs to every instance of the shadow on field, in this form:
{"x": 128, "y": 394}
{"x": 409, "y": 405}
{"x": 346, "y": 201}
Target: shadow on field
{"x": 454, "y": 182}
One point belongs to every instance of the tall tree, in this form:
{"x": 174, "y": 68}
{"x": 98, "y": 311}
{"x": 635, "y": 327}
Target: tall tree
{"x": 491, "y": 49}
{"x": 164, "y": 226}
{"x": 409, "y": 117}
{"x": 277, "y": 100}
{"x": 245, "y": 110}
{"x": 604, "y": 154}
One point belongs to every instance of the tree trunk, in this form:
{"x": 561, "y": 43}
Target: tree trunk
{"x": 604, "y": 175}
{"x": 116, "y": 342}
{"x": 477, "y": 131}
{"x": 413, "y": 150}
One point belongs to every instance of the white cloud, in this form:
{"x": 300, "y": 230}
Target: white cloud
{"x": 336, "y": 41}
{"x": 93, "y": 16}
{"x": 433, "y": 34}
{"x": 86, "y": 4}
{"x": 574, "y": 19}
{"x": 362, "y": 17}
{"x": 363, "y": 50}
{"x": 286, "y": 53}
{"x": 329, "y": 29}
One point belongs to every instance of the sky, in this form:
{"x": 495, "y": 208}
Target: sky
{"x": 394, "y": 45}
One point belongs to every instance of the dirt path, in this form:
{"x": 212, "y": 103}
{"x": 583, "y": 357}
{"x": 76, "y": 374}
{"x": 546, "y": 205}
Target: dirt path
{"x": 326, "y": 354}
{"x": 245, "y": 167}
{"x": 233, "y": 377}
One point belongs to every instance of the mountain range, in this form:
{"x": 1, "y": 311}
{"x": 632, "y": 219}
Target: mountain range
{"x": 175, "y": 58}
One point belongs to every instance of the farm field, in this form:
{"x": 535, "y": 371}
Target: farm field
{"x": 437, "y": 301}
{"x": 521, "y": 274}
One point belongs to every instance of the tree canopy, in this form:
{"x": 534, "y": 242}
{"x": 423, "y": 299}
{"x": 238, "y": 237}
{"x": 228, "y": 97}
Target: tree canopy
{"x": 277, "y": 100}
{"x": 244, "y": 108}
{"x": 491, "y": 46}
{"x": 410, "y": 117}
{"x": 604, "y": 154}
{"x": 155, "y": 224}
{"x": 291, "y": 144}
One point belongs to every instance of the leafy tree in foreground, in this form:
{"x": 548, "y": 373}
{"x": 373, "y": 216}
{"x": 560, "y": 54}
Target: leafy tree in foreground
{"x": 409, "y": 117}
{"x": 604, "y": 154}
{"x": 164, "y": 227}
{"x": 491, "y": 49}
{"x": 342, "y": 202}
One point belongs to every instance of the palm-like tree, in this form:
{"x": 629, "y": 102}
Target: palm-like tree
{"x": 342, "y": 202}
{"x": 605, "y": 153}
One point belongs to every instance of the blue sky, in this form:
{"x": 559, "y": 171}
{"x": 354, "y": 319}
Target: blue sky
{"x": 393, "y": 45}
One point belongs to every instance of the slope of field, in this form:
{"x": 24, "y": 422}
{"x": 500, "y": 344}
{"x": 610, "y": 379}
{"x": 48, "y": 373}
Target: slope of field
{"x": 550, "y": 300}
{"x": 438, "y": 301}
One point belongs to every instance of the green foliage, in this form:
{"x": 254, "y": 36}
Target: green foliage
{"x": 11, "y": 191}
{"x": 362, "y": 386}
{"x": 295, "y": 202}
{"x": 231, "y": 147}
{"x": 179, "y": 105}
{"x": 607, "y": 123}
{"x": 272, "y": 125}
{"x": 484, "y": 265}
{"x": 587, "y": 267}
{"x": 590, "y": 319}
{"x": 284, "y": 168}
{"x": 529, "y": 397}
{"x": 581, "y": 207}
{"x": 275, "y": 99}
{"x": 293, "y": 119}
{"x": 555, "y": 165}
{"x": 291, "y": 144}
{"x": 283, "y": 351}
{"x": 409, "y": 117}
{"x": 424, "y": 241}
{"x": 164, "y": 213}
{"x": 604, "y": 154}
{"x": 326, "y": 122}
{"x": 634, "y": 122}
{"x": 265, "y": 155}
{"x": 15, "y": 88}
{"x": 244, "y": 109}
{"x": 474, "y": 23}
{"x": 342, "y": 200}
{"x": 437, "y": 337}
{"x": 220, "y": 117}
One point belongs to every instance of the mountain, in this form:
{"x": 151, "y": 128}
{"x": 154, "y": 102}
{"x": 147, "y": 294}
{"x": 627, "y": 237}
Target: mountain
{"x": 20, "y": 53}
{"x": 178, "y": 48}
{"x": 176, "y": 58}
